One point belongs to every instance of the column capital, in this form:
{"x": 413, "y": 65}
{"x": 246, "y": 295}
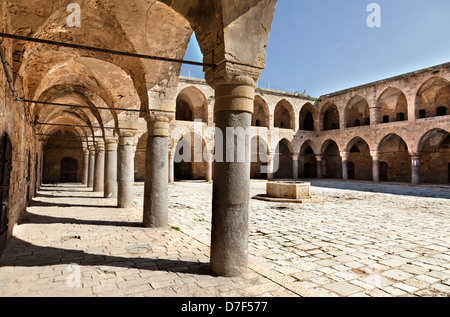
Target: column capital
{"x": 126, "y": 139}
{"x": 111, "y": 144}
{"x": 158, "y": 124}
{"x": 415, "y": 156}
{"x": 235, "y": 90}
{"x": 319, "y": 157}
{"x": 344, "y": 156}
{"x": 375, "y": 155}
{"x": 100, "y": 146}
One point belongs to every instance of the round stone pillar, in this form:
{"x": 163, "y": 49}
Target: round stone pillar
{"x": 85, "y": 167}
{"x": 91, "y": 172}
{"x": 171, "y": 168}
{"x": 319, "y": 166}
{"x": 231, "y": 186}
{"x": 295, "y": 166}
{"x": 156, "y": 190}
{"x": 125, "y": 171}
{"x": 99, "y": 174}
{"x": 375, "y": 167}
{"x": 415, "y": 169}
{"x": 344, "y": 156}
{"x": 111, "y": 168}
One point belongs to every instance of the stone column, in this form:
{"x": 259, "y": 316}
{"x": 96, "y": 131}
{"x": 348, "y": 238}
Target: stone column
{"x": 171, "y": 168}
{"x": 231, "y": 186}
{"x": 295, "y": 166}
{"x": 90, "y": 182}
{"x": 375, "y": 167}
{"x": 125, "y": 171}
{"x": 319, "y": 166}
{"x": 86, "y": 167}
{"x": 270, "y": 165}
{"x": 415, "y": 169}
{"x": 99, "y": 174}
{"x": 209, "y": 167}
{"x": 344, "y": 156}
{"x": 156, "y": 190}
{"x": 111, "y": 168}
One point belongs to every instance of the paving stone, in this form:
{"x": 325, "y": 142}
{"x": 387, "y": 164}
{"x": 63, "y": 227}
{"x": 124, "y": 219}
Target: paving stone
{"x": 343, "y": 288}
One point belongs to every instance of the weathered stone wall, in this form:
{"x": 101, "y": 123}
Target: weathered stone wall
{"x": 14, "y": 122}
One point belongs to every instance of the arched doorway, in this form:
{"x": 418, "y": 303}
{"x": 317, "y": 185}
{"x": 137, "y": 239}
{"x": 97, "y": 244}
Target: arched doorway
{"x": 392, "y": 105}
{"x": 333, "y": 161}
{"x": 395, "y": 161}
{"x": 330, "y": 117}
{"x": 284, "y": 117}
{"x": 189, "y": 160}
{"x": 434, "y": 150}
{"x": 357, "y": 112}
{"x": 307, "y": 161}
{"x": 307, "y": 115}
{"x": 433, "y": 98}
{"x": 359, "y": 161}
{"x": 283, "y": 160}
{"x": 5, "y": 175}
{"x": 69, "y": 167}
{"x": 260, "y": 116}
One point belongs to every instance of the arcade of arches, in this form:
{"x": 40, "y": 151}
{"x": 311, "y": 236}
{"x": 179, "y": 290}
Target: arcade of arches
{"x": 138, "y": 120}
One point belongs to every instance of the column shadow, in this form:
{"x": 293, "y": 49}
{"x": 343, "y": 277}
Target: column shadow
{"x": 49, "y": 256}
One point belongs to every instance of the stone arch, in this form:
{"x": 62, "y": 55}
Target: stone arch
{"x": 357, "y": 112}
{"x": 394, "y": 159}
{"x": 329, "y": 117}
{"x": 331, "y": 160}
{"x": 307, "y": 162}
{"x": 308, "y": 115}
{"x": 434, "y": 157}
{"x": 392, "y": 105}
{"x": 60, "y": 145}
{"x": 191, "y": 105}
{"x": 433, "y": 98}
{"x": 284, "y": 116}
{"x": 359, "y": 160}
{"x": 189, "y": 158}
{"x": 283, "y": 160}
{"x": 261, "y": 113}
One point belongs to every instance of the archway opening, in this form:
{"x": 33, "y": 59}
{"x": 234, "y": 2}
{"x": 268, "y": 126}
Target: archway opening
{"x": 189, "y": 161}
{"x": 283, "y": 118}
{"x": 331, "y": 161}
{"x": 359, "y": 162}
{"x": 433, "y": 98}
{"x": 395, "y": 160}
{"x": 357, "y": 112}
{"x": 392, "y": 105}
{"x": 261, "y": 113}
{"x": 283, "y": 160}
{"x": 307, "y": 162}
{"x": 63, "y": 145}
{"x": 331, "y": 118}
{"x": 307, "y": 118}
{"x": 435, "y": 157}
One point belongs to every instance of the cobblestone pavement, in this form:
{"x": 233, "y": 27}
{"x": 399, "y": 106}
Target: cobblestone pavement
{"x": 360, "y": 241}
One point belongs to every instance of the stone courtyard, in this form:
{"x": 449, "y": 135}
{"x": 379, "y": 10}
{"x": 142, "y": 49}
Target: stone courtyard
{"x": 364, "y": 239}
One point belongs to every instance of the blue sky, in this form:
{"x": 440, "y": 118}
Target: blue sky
{"x": 324, "y": 46}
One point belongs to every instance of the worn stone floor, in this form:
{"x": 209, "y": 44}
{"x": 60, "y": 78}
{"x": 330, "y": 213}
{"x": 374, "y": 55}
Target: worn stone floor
{"x": 364, "y": 239}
